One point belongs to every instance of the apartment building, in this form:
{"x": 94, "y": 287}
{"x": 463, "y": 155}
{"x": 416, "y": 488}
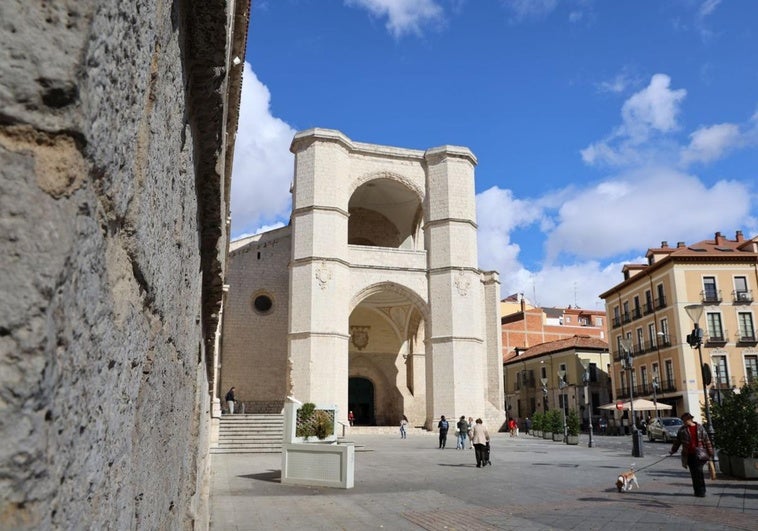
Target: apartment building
{"x": 718, "y": 279}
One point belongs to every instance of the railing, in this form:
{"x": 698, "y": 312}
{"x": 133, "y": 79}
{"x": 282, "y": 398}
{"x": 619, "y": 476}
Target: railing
{"x": 718, "y": 338}
{"x": 745, "y": 338}
{"x": 626, "y": 317}
{"x": 667, "y": 386}
{"x": 660, "y": 302}
{"x": 616, "y": 322}
{"x": 711, "y": 296}
{"x": 647, "y": 308}
{"x": 636, "y": 313}
{"x": 744, "y": 296}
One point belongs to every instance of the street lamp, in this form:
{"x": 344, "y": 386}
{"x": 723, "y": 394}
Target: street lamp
{"x": 588, "y": 394}
{"x": 656, "y": 384}
{"x": 626, "y": 345}
{"x": 562, "y": 385}
{"x": 695, "y": 340}
{"x": 544, "y": 393}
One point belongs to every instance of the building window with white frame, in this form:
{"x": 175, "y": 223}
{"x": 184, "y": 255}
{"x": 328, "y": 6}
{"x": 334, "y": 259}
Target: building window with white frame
{"x": 741, "y": 292}
{"x": 640, "y": 340}
{"x": 710, "y": 293}
{"x": 745, "y": 320}
{"x": 669, "y": 367}
{"x": 643, "y": 378}
{"x": 751, "y": 368}
{"x": 720, "y": 371}
{"x": 665, "y": 328}
{"x": 715, "y": 330}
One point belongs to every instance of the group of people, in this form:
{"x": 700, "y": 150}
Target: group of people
{"x": 475, "y": 431}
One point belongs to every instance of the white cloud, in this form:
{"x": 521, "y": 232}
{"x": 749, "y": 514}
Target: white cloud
{"x": 619, "y": 83}
{"x": 711, "y": 143}
{"x": 523, "y": 9}
{"x": 263, "y": 164}
{"x": 648, "y": 113}
{"x": 403, "y": 16}
{"x": 641, "y": 207}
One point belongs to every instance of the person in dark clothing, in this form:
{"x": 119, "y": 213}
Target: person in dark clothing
{"x": 691, "y": 436}
{"x": 230, "y": 400}
{"x": 443, "y": 426}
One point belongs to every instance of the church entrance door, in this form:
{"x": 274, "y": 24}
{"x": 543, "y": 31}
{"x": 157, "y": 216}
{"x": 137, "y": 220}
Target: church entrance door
{"x": 360, "y": 399}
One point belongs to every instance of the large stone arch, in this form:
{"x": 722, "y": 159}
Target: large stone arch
{"x": 392, "y": 176}
{"x": 413, "y": 297}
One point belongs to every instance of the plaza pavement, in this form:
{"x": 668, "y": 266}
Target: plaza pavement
{"x": 533, "y": 484}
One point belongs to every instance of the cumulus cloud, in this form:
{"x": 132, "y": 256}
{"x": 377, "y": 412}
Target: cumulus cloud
{"x": 263, "y": 164}
{"x": 403, "y": 16}
{"x": 619, "y": 83}
{"x": 628, "y": 211}
{"x": 649, "y": 113}
{"x": 711, "y": 143}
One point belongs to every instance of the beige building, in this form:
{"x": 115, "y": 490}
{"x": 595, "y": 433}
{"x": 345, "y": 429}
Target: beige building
{"x": 371, "y": 298}
{"x": 648, "y": 307}
{"x": 533, "y": 383}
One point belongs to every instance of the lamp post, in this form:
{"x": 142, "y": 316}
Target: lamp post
{"x": 695, "y": 340}
{"x": 544, "y": 394}
{"x": 626, "y": 344}
{"x": 588, "y": 394}
{"x": 561, "y": 386}
{"x": 655, "y": 391}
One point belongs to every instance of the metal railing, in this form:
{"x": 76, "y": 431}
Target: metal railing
{"x": 718, "y": 338}
{"x": 710, "y": 296}
{"x": 745, "y": 338}
{"x": 742, "y": 296}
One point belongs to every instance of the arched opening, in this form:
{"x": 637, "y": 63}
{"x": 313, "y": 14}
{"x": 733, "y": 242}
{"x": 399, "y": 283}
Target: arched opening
{"x": 387, "y": 334}
{"x": 360, "y": 400}
{"x": 384, "y": 213}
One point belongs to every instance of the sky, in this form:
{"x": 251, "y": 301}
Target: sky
{"x": 602, "y": 128}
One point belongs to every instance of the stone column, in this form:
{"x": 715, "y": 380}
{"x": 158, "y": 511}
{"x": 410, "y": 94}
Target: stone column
{"x": 319, "y": 273}
{"x": 454, "y": 355}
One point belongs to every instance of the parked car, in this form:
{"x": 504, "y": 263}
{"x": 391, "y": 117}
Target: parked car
{"x": 664, "y": 428}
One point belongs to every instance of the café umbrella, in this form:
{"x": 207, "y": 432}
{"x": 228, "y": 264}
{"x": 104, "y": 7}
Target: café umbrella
{"x": 640, "y": 404}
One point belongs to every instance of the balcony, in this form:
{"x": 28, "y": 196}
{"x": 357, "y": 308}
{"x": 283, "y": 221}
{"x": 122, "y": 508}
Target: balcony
{"x": 660, "y": 302}
{"x": 667, "y": 386}
{"x": 636, "y": 313}
{"x": 711, "y": 296}
{"x": 745, "y": 338}
{"x": 626, "y": 317}
{"x": 742, "y": 296}
{"x": 719, "y": 338}
{"x": 647, "y": 308}
{"x": 616, "y": 322}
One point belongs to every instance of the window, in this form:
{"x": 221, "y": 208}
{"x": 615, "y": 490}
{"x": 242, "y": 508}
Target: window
{"x": 637, "y": 312}
{"x": 651, "y": 335}
{"x": 648, "y": 302}
{"x": 262, "y": 304}
{"x": 616, "y": 316}
{"x": 709, "y": 289}
{"x": 656, "y": 374}
{"x": 640, "y": 340}
{"x": 593, "y": 372}
{"x": 715, "y": 331}
{"x": 745, "y": 320}
{"x": 543, "y": 372}
{"x": 720, "y": 371}
{"x": 665, "y": 328}
{"x": 598, "y": 321}
{"x": 751, "y": 367}
{"x": 740, "y": 289}
{"x": 669, "y": 374}
{"x": 661, "y": 302}
{"x": 643, "y": 378}
{"x": 626, "y": 311}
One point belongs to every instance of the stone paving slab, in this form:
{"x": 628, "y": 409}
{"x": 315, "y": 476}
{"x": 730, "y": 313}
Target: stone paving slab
{"x": 533, "y": 485}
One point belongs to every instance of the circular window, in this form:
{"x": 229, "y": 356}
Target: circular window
{"x": 263, "y": 303}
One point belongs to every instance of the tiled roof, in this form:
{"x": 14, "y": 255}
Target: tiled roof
{"x": 560, "y": 345}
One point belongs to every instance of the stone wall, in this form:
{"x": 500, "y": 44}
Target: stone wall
{"x": 114, "y": 178}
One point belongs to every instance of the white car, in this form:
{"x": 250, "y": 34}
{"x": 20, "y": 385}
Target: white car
{"x": 664, "y": 428}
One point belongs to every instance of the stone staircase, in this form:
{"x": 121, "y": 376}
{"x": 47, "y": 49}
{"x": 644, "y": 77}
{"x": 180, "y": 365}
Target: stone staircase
{"x": 249, "y": 434}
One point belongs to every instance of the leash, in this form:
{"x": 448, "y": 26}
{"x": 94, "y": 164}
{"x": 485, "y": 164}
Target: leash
{"x": 653, "y": 464}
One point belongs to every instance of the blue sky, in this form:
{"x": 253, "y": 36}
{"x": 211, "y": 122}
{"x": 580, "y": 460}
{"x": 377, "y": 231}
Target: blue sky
{"x": 601, "y": 127}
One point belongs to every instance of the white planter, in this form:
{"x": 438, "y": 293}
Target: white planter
{"x": 319, "y": 465}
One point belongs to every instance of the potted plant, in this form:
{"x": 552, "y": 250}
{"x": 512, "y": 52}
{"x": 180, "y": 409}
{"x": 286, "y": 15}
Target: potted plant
{"x": 312, "y": 422}
{"x": 556, "y": 421}
{"x": 537, "y": 421}
{"x": 735, "y": 421}
{"x": 547, "y": 425}
{"x": 572, "y": 427}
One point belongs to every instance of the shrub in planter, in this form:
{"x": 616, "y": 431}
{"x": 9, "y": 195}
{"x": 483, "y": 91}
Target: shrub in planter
{"x": 573, "y": 423}
{"x": 735, "y": 422}
{"x": 312, "y": 422}
{"x": 556, "y": 421}
{"x": 537, "y": 421}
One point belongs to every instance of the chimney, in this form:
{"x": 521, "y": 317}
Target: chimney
{"x": 523, "y": 304}
{"x": 664, "y": 244}
{"x": 740, "y": 237}
{"x": 719, "y": 239}
{"x": 680, "y": 245}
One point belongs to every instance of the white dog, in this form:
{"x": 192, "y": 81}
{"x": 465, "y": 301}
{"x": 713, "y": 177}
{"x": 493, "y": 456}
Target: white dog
{"x": 625, "y": 481}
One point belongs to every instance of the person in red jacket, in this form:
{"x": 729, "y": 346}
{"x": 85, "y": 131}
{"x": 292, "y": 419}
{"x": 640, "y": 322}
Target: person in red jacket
{"x": 690, "y": 437}
{"x": 512, "y": 427}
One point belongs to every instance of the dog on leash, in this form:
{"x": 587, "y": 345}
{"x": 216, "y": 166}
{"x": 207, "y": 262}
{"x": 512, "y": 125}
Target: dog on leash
{"x": 626, "y": 480}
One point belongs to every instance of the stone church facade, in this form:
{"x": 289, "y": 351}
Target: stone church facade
{"x": 371, "y": 298}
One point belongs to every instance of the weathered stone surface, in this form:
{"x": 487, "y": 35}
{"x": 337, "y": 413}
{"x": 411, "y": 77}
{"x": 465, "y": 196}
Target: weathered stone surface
{"x": 113, "y": 194}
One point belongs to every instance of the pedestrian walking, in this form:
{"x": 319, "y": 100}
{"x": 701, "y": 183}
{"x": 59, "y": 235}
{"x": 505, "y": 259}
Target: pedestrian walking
{"x": 696, "y": 451}
{"x": 229, "y": 398}
{"x": 350, "y": 418}
{"x": 462, "y": 433}
{"x": 403, "y": 427}
{"x": 481, "y": 440}
{"x": 443, "y": 426}
{"x": 527, "y": 425}
{"x": 512, "y": 427}
{"x": 470, "y": 433}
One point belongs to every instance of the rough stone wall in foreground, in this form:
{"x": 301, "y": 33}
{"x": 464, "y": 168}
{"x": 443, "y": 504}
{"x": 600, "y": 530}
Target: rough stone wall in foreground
{"x": 103, "y": 387}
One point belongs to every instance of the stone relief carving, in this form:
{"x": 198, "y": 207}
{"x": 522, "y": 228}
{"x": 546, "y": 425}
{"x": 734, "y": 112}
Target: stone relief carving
{"x": 359, "y": 336}
{"x": 323, "y": 275}
{"x": 462, "y": 284}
